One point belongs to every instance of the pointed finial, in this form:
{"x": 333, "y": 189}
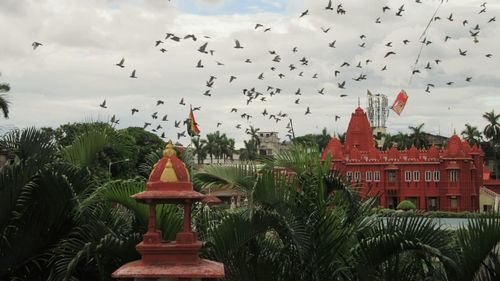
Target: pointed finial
{"x": 358, "y": 103}
{"x": 169, "y": 150}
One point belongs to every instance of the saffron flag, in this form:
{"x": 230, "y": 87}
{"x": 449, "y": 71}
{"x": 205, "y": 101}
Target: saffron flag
{"x": 400, "y": 102}
{"x": 192, "y": 129}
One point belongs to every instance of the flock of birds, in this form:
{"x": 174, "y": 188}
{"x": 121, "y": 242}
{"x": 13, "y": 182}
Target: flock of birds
{"x": 298, "y": 68}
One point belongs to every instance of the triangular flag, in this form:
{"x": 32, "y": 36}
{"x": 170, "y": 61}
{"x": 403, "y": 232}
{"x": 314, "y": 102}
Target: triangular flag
{"x": 192, "y": 129}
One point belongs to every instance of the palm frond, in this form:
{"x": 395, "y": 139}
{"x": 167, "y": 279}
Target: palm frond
{"x": 83, "y": 151}
{"x": 240, "y": 176}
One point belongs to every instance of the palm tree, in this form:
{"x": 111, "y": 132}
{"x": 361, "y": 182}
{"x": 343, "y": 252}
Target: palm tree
{"x": 4, "y": 103}
{"x": 253, "y": 132}
{"x": 472, "y": 135}
{"x": 40, "y": 197}
{"x": 211, "y": 146}
{"x": 417, "y": 137}
{"x": 249, "y": 153}
{"x": 402, "y": 140}
{"x": 492, "y": 132}
{"x": 199, "y": 149}
{"x": 309, "y": 225}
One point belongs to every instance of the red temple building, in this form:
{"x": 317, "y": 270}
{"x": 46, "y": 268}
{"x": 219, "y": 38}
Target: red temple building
{"x": 433, "y": 179}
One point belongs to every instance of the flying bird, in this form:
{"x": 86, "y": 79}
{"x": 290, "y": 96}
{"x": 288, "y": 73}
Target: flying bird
{"x": 182, "y": 102}
{"x": 103, "y": 104}
{"x": 199, "y": 65}
{"x": 308, "y": 111}
{"x": 158, "y": 102}
{"x": 158, "y": 42}
{"x": 120, "y": 64}
{"x": 36, "y": 45}
{"x": 237, "y": 44}
{"x": 134, "y": 110}
{"x": 329, "y": 6}
{"x": 389, "y": 53}
{"x": 305, "y": 13}
{"x": 133, "y": 74}
{"x": 203, "y": 48}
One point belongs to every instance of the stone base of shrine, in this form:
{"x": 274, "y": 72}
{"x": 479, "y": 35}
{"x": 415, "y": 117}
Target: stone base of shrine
{"x": 138, "y": 270}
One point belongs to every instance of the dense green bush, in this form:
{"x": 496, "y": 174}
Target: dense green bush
{"x": 406, "y": 205}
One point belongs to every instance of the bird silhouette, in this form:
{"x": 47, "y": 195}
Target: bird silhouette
{"x": 155, "y": 115}
{"x": 146, "y": 124}
{"x": 203, "y": 48}
{"x": 158, "y": 42}
{"x": 308, "y": 111}
{"x": 183, "y": 134}
{"x": 182, "y": 102}
{"x": 237, "y": 45}
{"x": 199, "y": 65}
{"x": 164, "y": 117}
{"x": 133, "y": 74}
{"x": 103, "y": 104}
{"x": 158, "y": 102}
{"x": 462, "y": 53}
{"x": 120, "y": 64}
{"x": 36, "y": 45}
{"x": 258, "y": 25}
{"x": 218, "y": 124}
{"x": 306, "y": 12}
{"x": 177, "y": 123}
{"x": 389, "y": 53}
{"x": 400, "y": 11}
{"x": 341, "y": 85}
{"x": 134, "y": 110}
{"x": 231, "y": 79}
{"x": 329, "y": 6}
{"x": 332, "y": 45}
{"x": 192, "y": 36}
{"x": 325, "y": 30}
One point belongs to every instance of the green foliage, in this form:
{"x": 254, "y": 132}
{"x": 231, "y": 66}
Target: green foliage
{"x": 321, "y": 140}
{"x": 406, "y": 205}
{"x": 4, "y": 102}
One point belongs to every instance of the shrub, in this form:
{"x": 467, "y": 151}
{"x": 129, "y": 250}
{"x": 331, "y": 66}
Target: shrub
{"x": 406, "y": 205}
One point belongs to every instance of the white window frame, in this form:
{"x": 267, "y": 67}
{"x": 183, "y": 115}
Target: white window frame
{"x": 436, "y": 176}
{"x": 348, "y": 176}
{"x": 416, "y": 175}
{"x": 453, "y": 175}
{"x": 357, "y": 176}
{"x": 376, "y": 176}
{"x": 369, "y": 175}
{"x": 428, "y": 176}
{"x": 408, "y": 175}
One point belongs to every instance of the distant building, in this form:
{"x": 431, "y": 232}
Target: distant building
{"x": 489, "y": 194}
{"x": 446, "y": 179}
{"x": 269, "y": 143}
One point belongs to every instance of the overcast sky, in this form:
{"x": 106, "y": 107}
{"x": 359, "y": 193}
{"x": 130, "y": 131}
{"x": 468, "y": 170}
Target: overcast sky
{"x": 67, "y": 78}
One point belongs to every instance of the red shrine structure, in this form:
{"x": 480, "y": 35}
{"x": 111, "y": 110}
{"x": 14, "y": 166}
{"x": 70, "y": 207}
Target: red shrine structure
{"x": 433, "y": 179}
{"x": 169, "y": 183}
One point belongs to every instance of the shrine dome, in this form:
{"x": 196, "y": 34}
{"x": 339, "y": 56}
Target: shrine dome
{"x": 169, "y": 180}
{"x": 454, "y": 147}
{"x": 334, "y": 148}
{"x": 359, "y": 132}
